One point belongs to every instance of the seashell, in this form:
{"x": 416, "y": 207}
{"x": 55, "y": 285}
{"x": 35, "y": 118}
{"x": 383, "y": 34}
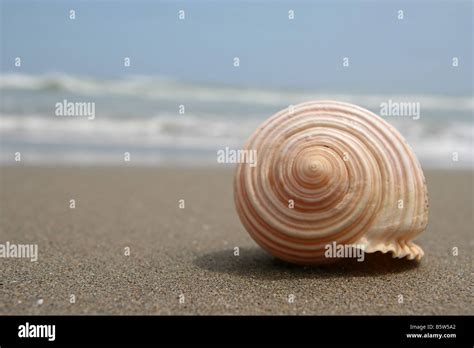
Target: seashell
{"x": 352, "y": 177}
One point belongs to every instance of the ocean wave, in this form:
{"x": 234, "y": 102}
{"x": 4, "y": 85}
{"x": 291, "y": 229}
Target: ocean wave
{"x": 191, "y": 139}
{"x": 160, "y": 88}
{"x": 163, "y": 130}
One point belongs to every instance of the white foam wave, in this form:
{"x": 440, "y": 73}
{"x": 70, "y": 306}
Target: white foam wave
{"x": 162, "y": 130}
{"x": 164, "y": 134}
{"x": 168, "y": 89}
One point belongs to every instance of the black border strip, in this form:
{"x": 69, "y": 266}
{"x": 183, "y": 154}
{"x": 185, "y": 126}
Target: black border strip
{"x": 241, "y": 329}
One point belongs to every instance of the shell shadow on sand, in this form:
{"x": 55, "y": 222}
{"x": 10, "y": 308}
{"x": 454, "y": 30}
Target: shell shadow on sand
{"x": 254, "y": 262}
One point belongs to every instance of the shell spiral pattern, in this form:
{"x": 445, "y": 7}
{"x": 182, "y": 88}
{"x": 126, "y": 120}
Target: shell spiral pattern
{"x": 331, "y": 172}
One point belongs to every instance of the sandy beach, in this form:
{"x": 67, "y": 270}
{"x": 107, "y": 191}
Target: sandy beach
{"x": 190, "y": 251}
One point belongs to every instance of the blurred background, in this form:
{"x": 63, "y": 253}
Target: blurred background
{"x": 182, "y": 98}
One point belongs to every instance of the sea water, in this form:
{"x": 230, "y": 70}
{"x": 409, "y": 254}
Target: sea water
{"x": 161, "y": 121}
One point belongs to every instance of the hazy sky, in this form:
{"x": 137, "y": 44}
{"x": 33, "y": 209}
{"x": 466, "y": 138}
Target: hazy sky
{"x": 385, "y": 54}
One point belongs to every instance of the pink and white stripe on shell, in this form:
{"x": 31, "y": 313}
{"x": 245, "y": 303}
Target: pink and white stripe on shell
{"x": 351, "y": 176}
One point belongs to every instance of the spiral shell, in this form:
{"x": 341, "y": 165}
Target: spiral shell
{"x": 331, "y": 172}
